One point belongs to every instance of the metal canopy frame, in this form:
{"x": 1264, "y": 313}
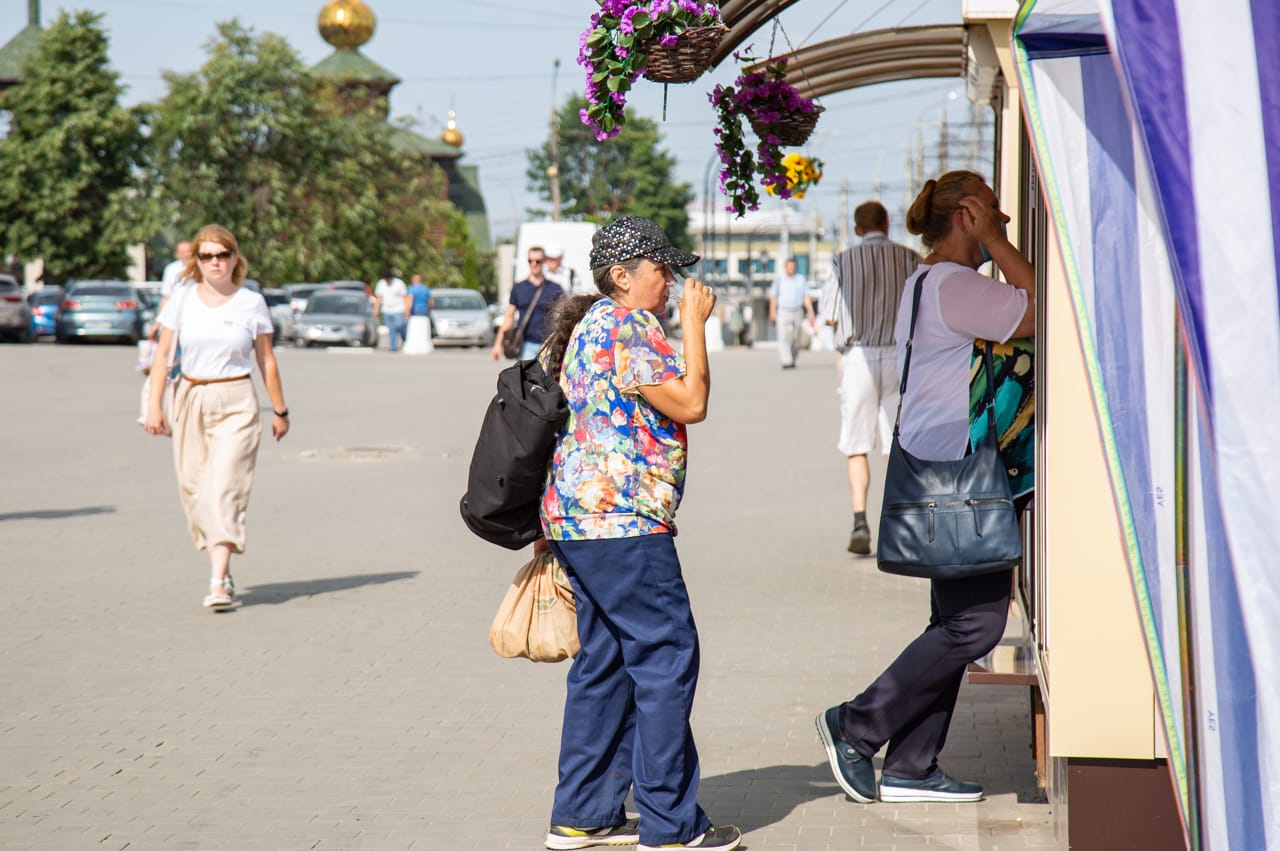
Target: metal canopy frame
{"x": 879, "y": 56}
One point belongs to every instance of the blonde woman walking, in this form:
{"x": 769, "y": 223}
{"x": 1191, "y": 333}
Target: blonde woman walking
{"x": 216, "y": 426}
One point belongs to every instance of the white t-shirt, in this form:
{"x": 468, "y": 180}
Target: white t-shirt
{"x": 216, "y": 342}
{"x": 392, "y": 295}
{"x": 171, "y": 277}
{"x": 957, "y": 306}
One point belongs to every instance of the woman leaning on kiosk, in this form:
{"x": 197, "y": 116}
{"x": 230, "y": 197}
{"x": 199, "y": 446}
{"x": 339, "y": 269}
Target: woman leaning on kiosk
{"x": 909, "y": 706}
{"x": 609, "y": 513}
{"x": 220, "y": 327}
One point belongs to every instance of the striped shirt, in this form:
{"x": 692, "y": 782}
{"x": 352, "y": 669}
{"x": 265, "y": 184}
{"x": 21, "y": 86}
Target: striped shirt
{"x": 871, "y": 276}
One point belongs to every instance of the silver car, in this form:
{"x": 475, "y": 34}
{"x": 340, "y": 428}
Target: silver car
{"x": 281, "y": 314}
{"x": 341, "y": 317}
{"x": 15, "y": 311}
{"x": 460, "y": 318}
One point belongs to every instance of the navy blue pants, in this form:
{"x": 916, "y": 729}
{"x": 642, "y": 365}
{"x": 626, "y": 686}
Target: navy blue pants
{"x": 911, "y": 703}
{"x": 630, "y": 691}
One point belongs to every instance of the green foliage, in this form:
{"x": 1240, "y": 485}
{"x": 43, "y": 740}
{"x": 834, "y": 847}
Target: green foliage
{"x": 626, "y": 175}
{"x": 67, "y": 180}
{"x": 250, "y": 142}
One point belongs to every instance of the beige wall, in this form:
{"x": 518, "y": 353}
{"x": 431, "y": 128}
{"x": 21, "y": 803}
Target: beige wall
{"x": 1100, "y": 699}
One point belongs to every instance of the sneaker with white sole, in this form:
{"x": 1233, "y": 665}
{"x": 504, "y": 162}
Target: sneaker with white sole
{"x": 938, "y": 786}
{"x": 714, "y": 839}
{"x": 564, "y": 838}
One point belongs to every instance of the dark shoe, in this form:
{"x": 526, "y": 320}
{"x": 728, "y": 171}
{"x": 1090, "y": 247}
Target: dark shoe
{"x": 715, "y": 839}
{"x": 563, "y": 838}
{"x": 936, "y": 787}
{"x": 860, "y": 540}
{"x": 854, "y": 772}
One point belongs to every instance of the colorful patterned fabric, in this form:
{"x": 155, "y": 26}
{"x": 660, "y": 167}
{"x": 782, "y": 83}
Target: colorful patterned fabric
{"x": 618, "y": 469}
{"x": 1014, "y": 363}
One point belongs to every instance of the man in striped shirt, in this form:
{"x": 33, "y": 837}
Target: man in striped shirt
{"x": 870, "y": 276}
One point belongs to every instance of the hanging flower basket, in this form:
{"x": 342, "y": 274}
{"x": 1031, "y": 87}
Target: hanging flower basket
{"x": 682, "y": 58}
{"x": 629, "y": 37}
{"x": 791, "y": 128}
{"x": 779, "y": 116}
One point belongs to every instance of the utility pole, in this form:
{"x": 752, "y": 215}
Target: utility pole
{"x": 553, "y": 170}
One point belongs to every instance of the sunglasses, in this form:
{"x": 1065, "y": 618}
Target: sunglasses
{"x": 533, "y": 262}
{"x": 220, "y": 255}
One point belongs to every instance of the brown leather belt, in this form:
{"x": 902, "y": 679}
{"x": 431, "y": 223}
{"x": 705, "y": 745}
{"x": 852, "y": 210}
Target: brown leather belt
{"x": 199, "y": 381}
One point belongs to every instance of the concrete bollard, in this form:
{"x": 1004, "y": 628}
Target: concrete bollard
{"x": 418, "y": 339}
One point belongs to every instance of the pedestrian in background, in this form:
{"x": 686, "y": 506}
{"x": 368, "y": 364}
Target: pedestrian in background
{"x": 420, "y": 302}
{"x": 173, "y": 276}
{"x": 868, "y": 279}
{"x": 790, "y": 307}
{"x": 216, "y": 423}
{"x": 555, "y": 270}
{"x": 391, "y": 300}
{"x": 910, "y": 705}
{"x": 609, "y": 513}
{"x": 532, "y": 300}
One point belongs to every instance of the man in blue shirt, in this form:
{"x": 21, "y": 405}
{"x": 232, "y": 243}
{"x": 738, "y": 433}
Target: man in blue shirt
{"x": 420, "y": 293}
{"x": 789, "y": 307}
{"x": 532, "y": 299}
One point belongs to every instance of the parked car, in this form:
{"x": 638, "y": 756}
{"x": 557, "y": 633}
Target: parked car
{"x": 338, "y": 316}
{"x": 44, "y": 310}
{"x": 298, "y": 295}
{"x": 281, "y": 314}
{"x": 15, "y": 313}
{"x": 460, "y": 318}
{"x": 100, "y": 309}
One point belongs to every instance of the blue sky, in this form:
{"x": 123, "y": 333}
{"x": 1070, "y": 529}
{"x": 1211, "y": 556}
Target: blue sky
{"x": 492, "y": 61}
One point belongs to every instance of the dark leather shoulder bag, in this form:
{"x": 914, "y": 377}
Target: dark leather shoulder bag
{"x": 947, "y": 519}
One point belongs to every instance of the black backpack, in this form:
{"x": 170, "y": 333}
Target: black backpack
{"x": 509, "y": 464}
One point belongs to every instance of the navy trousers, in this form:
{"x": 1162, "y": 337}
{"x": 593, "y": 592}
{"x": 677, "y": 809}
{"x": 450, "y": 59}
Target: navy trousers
{"x": 910, "y": 705}
{"x": 630, "y": 691}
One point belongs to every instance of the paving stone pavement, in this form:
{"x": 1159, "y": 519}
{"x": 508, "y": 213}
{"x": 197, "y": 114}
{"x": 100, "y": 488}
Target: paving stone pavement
{"x": 351, "y": 700}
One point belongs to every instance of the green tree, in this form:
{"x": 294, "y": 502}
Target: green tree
{"x": 626, "y": 175}
{"x": 67, "y": 166}
{"x": 251, "y": 142}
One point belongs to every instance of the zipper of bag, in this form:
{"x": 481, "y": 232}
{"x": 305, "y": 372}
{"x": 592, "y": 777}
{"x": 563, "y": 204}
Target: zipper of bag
{"x": 932, "y": 506}
{"x": 973, "y": 506}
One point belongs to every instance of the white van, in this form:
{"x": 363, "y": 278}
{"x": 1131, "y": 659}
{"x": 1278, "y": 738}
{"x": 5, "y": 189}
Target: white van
{"x": 573, "y": 237}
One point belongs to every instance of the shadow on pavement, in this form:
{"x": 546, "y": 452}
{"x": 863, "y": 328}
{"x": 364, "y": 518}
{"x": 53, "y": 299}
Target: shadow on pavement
{"x": 274, "y": 593}
{"x": 58, "y": 513}
{"x": 765, "y": 795}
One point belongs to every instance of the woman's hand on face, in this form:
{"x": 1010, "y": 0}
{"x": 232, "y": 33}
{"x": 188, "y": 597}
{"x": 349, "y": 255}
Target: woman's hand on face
{"x": 697, "y": 302}
{"x": 279, "y": 426}
{"x": 982, "y": 221}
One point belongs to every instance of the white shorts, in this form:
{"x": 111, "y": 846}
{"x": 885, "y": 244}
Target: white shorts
{"x": 868, "y": 398}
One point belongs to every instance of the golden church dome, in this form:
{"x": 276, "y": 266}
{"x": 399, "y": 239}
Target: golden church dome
{"x": 452, "y": 135}
{"x": 346, "y": 24}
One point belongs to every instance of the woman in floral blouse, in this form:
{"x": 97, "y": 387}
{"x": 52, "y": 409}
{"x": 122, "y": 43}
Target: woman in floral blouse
{"x": 609, "y": 514}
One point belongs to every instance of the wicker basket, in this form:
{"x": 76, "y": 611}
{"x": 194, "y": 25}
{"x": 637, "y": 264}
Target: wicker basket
{"x": 793, "y": 129}
{"x": 684, "y": 61}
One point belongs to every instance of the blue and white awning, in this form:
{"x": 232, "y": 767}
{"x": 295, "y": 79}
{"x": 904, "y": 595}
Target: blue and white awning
{"x": 1156, "y": 124}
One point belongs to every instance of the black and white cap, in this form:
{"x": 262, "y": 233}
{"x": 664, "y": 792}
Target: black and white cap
{"x": 628, "y": 237}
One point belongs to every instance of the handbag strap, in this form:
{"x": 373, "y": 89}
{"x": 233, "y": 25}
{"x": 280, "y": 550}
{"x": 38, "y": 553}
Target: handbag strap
{"x": 989, "y": 397}
{"x": 524, "y": 320}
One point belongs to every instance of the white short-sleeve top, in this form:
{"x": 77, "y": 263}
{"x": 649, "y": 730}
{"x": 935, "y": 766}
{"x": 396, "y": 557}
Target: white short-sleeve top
{"x": 957, "y": 306}
{"x": 216, "y": 342}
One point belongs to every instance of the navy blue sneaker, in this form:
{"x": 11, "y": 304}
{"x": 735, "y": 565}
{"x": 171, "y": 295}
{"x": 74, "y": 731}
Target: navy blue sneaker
{"x": 936, "y": 787}
{"x": 854, "y": 772}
